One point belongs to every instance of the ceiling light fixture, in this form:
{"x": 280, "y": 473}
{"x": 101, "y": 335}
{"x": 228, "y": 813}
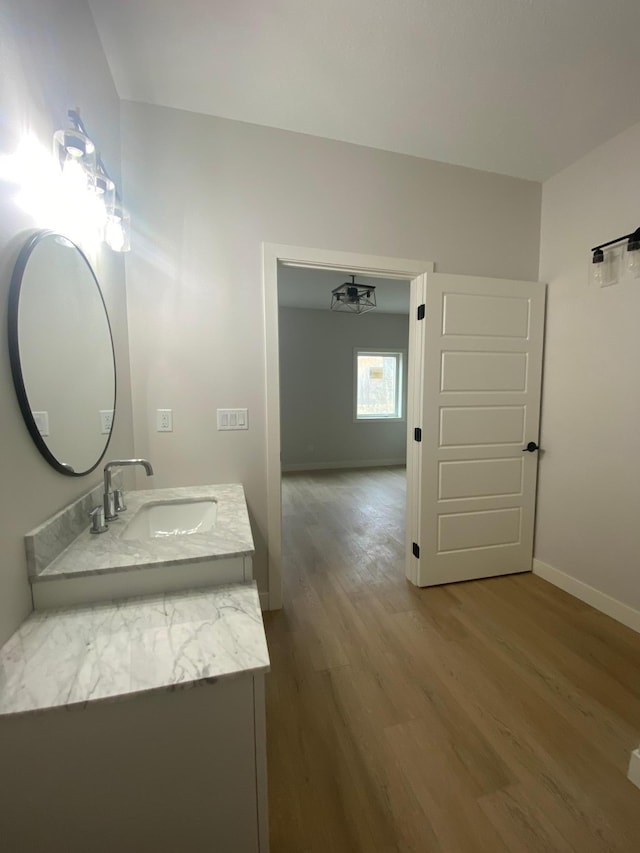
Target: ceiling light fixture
{"x": 352, "y": 297}
{"x": 633, "y": 255}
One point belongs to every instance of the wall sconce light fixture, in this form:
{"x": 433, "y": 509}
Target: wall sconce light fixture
{"x": 356, "y": 298}
{"x": 118, "y": 229}
{"x": 599, "y": 259}
{"x": 83, "y": 170}
{"x": 76, "y": 156}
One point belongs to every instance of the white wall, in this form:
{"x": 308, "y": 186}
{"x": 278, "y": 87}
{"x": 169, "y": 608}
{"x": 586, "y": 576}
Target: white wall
{"x": 588, "y": 522}
{"x": 52, "y": 60}
{"x": 205, "y": 193}
{"x": 317, "y": 388}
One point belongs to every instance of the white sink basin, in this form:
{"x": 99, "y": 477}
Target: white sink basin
{"x": 163, "y": 519}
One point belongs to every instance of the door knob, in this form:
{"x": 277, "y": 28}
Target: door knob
{"x": 531, "y": 447}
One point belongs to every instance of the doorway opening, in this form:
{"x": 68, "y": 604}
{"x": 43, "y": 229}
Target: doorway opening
{"x": 343, "y": 376}
{"x": 310, "y": 262}
{"x": 343, "y": 428}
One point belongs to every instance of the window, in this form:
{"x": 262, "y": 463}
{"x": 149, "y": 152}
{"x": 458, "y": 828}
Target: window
{"x": 378, "y": 381}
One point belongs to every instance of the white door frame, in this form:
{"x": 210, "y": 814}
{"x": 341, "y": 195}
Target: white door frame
{"x": 348, "y": 262}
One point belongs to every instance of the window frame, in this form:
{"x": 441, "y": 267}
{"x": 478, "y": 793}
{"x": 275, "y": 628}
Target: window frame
{"x": 400, "y": 370}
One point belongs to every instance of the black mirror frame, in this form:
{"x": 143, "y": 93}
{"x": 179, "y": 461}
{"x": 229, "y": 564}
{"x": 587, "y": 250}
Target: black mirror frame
{"x": 14, "y": 352}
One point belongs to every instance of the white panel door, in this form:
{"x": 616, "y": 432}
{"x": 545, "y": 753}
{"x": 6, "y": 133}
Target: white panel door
{"x": 482, "y": 366}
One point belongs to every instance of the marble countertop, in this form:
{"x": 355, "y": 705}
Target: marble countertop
{"x": 111, "y": 651}
{"x": 109, "y": 552}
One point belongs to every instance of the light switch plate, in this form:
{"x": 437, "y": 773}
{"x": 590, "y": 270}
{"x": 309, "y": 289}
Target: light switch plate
{"x": 164, "y": 420}
{"x": 233, "y": 419}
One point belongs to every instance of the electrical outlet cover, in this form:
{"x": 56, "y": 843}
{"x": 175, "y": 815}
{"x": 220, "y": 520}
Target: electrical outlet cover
{"x": 106, "y": 421}
{"x": 164, "y": 420}
{"x": 42, "y": 422}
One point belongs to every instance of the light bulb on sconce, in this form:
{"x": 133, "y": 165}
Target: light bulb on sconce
{"x": 105, "y": 189}
{"x": 117, "y": 231}
{"x": 76, "y": 155}
{"x": 633, "y": 254}
{"x": 598, "y": 267}
{"x": 105, "y": 194}
{"x": 633, "y": 264}
{"x": 73, "y": 145}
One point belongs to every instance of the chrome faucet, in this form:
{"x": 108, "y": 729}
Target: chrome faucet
{"x": 114, "y": 499}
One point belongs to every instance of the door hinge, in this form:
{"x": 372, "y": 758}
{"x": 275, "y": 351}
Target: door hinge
{"x": 416, "y": 549}
{"x": 421, "y": 311}
{"x": 417, "y": 434}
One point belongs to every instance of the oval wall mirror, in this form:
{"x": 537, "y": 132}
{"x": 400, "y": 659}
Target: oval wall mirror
{"x": 61, "y": 353}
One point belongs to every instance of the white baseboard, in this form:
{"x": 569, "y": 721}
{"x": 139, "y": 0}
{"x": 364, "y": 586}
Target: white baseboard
{"x": 600, "y": 600}
{"x": 264, "y": 600}
{"x": 633, "y": 773}
{"x": 361, "y": 463}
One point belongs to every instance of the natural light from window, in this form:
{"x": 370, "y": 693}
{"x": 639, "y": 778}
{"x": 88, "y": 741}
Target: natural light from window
{"x": 378, "y": 385}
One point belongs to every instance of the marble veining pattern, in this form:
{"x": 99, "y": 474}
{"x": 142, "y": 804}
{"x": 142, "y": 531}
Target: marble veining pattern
{"x": 106, "y": 652}
{"x": 48, "y": 541}
{"x": 109, "y": 552}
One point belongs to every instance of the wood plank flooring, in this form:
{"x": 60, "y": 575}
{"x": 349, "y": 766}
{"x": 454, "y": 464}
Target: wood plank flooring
{"x": 480, "y": 717}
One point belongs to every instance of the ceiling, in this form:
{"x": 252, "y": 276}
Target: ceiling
{"x": 309, "y": 288}
{"x": 520, "y": 87}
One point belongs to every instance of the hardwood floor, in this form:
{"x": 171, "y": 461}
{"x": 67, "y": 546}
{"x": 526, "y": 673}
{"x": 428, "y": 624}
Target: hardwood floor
{"x": 485, "y": 717}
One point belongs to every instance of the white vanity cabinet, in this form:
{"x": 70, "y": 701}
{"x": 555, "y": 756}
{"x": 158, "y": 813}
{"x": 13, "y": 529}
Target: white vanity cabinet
{"x": 167, "y": 772}
{"x": 136, "y": 726}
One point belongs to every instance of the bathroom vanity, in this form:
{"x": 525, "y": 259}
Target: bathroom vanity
{"x": 140, "y": 724}
{"x": 132, "y": 698}
{"x": 67, "y": 564}
{"x": 138, "y": 719}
